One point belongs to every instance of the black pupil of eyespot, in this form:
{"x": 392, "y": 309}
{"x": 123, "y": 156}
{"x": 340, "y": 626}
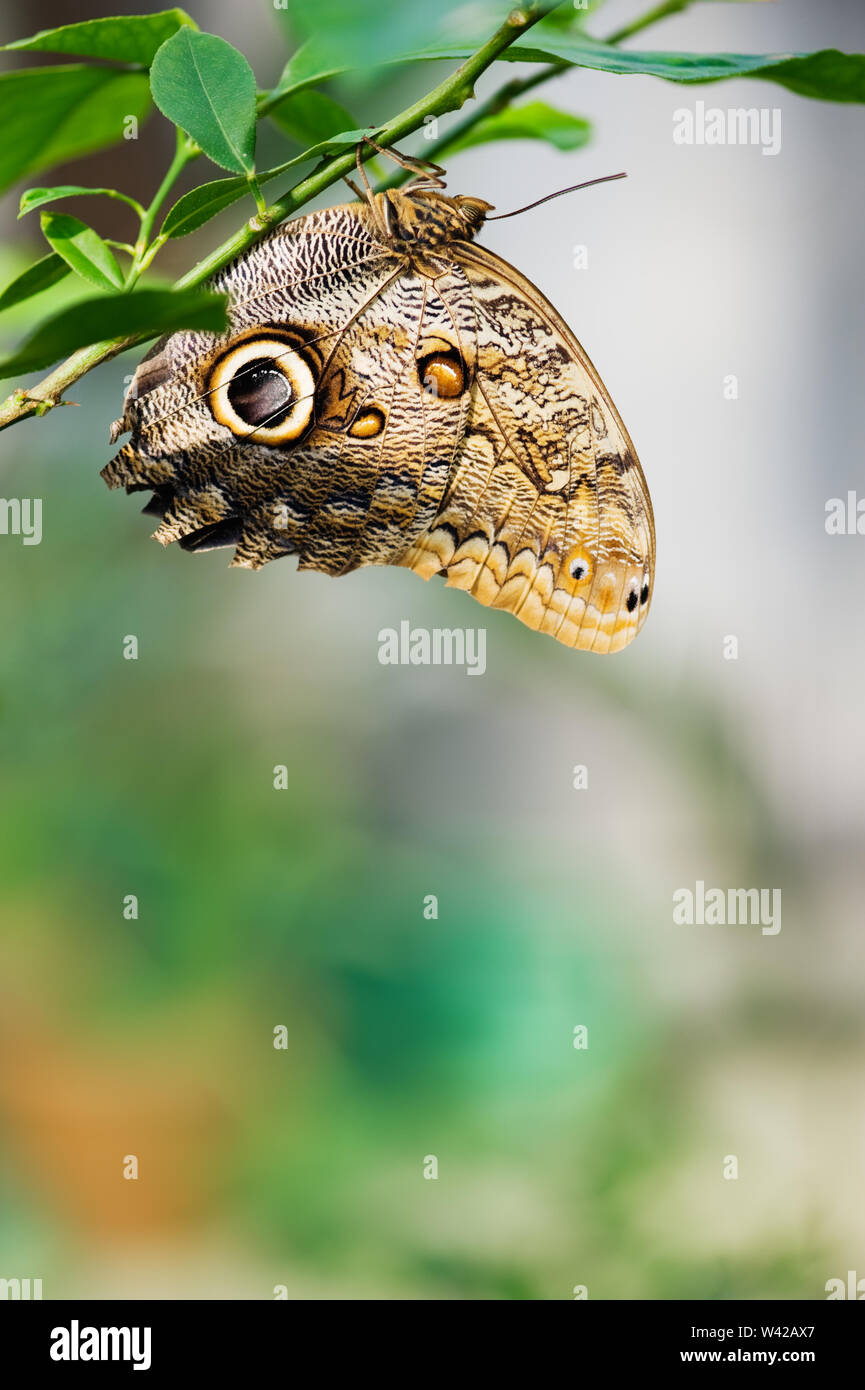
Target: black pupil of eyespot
{"x": 260, "y": 394}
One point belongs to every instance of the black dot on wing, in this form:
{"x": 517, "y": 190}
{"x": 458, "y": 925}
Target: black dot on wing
{"x": 632, "y": 601}
{"x": 259, "y": 393}
{"x": 644, "y": 594}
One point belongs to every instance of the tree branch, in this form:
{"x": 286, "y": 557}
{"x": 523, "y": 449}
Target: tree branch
{"x": 449, "y": 95}
{"x": 517, "y": 87}
{"x": 662, "y": 11}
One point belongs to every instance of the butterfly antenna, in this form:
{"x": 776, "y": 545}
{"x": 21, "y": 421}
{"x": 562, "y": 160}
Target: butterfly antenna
{"x": 607, "y": 178}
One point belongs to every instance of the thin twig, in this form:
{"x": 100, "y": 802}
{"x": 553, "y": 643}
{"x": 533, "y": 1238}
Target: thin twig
{"x": 507, "y": 94}
{"x": 662, "y": 11}
{"x": 447, "y": 96}
{"x": 185, "y": 150}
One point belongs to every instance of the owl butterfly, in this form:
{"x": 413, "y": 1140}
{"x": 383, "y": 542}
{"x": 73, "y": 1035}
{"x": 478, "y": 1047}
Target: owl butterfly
{"x": 390, "y": 393}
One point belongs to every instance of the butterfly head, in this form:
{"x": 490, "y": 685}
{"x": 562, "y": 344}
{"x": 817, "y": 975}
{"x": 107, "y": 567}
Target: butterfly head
{"x": 428, "y": 218}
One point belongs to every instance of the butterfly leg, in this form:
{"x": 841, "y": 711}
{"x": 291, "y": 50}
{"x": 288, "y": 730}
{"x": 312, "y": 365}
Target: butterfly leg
{"x": 369, "y": 195}
{"x": 429, "y": 175}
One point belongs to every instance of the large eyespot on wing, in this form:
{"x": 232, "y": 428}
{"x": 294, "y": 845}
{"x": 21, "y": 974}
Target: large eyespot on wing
{"x": 304, "y": 282}
{"x": 547, "y": 513}
{"x": 262, "y": 389}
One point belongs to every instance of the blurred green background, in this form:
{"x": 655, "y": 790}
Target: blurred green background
{"x": 408, "y": 1037}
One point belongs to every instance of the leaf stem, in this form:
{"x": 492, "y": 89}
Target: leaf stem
{"x": 185, "y": 150}
{"x": 257, "y": 194}
{"x": 125, "y": 198}
{"x": 39, "y": 399}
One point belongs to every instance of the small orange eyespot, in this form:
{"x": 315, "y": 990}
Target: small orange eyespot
{"x": 442, "y": 374}
{"x": 367, "y": 425}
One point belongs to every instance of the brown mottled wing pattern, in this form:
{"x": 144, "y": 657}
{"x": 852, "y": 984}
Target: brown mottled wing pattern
{"x": 399, "y": 397}
{"x": 379, "y": 491}
{"x": 363, "y": 317}
{"x": 547, "y": 513}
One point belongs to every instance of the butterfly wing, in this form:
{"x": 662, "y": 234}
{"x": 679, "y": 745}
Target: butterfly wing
{"x": 355, "y": 460}
{"x": 547, "y": 513}
{"x": 439, "y": 415}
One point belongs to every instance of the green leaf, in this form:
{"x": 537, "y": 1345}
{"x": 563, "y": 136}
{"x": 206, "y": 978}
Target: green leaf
{"x": 36, "y": 278}
{"x": 54, "y": 114}
{"x": 33, "y": 198}
{"x": 346, "y": 139}
{"x": 363, "y": 34}
{"x": 198, "y": 206}
{"x": 132, "y": 38}
{"x": 828, "y": 75}
{"x": 144, "y": 313}
{"x": 309, "y": 117}
{"x": 304, "y": 69}
{"x": 534, "y": 121}
{"x": 204, "y": 202}
{"x": 207, "y": 88}
{"x": 82, "y": 249}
